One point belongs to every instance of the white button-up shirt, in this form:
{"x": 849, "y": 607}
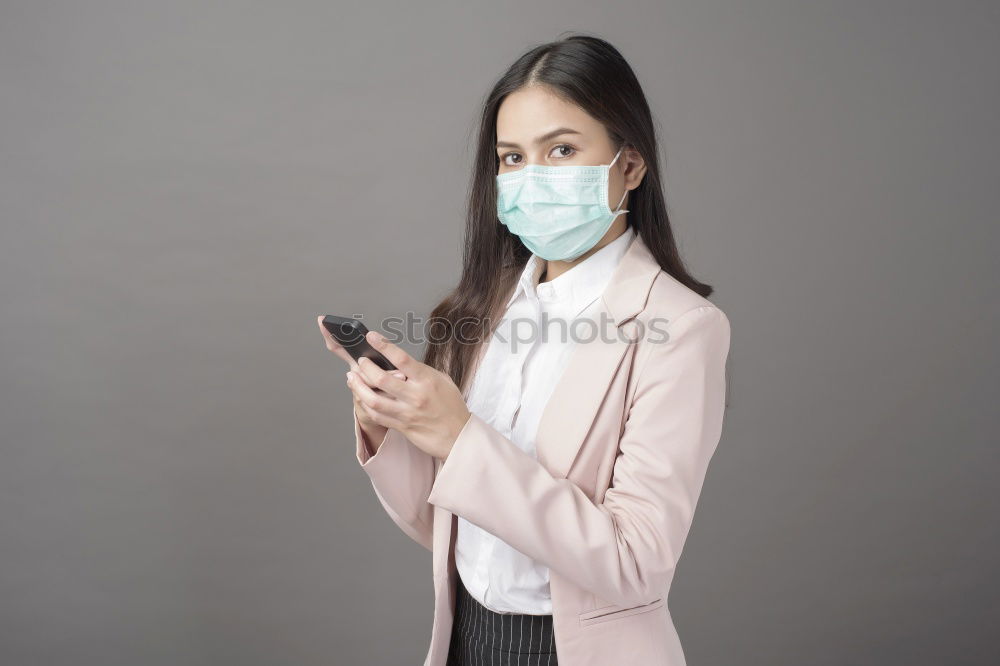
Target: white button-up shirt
{"x": 509, "y": 391}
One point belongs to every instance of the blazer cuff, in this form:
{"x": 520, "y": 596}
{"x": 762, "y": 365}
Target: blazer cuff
{"x": 364, "y": 453}
{"x": 464, "y": 468}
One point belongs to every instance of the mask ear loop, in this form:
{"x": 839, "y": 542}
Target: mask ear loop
{"x": 625, "y": 193}
{"x": 616, "y": 155}
{"x": 623, "y": 210}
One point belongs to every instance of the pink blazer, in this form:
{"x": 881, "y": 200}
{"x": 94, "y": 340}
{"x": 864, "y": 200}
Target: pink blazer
{"x": 622, "y": 451}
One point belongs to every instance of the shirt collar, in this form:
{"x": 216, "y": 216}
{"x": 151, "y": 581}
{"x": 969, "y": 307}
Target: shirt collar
{"x": 581, "y": 284}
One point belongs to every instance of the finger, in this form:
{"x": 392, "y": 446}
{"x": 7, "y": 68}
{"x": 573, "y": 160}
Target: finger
{"x": 390, "y": 382}
{"x": 366, "y": 414}
{"x": 371, "y": 371}
{"x": 397, "y": 355}
{"x": 364, "y": 374}
{"x": 363, "y": 405}
{"x": 359, "y": 406}
{"x": 382, "y": 403}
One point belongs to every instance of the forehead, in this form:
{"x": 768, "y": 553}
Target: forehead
{"x": 532, "y": 111}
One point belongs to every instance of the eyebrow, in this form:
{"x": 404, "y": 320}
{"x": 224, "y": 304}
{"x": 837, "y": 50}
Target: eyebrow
{"x": 542, "y": 139}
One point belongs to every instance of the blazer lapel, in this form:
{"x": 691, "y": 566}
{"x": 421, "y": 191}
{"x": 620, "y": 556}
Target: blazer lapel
{"x": 572, "y": 407}
{"x": 573, "y": 404}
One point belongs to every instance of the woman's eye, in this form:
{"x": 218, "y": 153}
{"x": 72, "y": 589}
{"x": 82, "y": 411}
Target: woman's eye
{"x": 559, "y": 150}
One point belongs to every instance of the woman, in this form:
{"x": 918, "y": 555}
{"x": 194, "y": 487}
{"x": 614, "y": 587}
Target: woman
{"x": 556, "y": 488}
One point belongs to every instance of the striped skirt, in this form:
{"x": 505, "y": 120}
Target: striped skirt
{"x": 482, "y": 637}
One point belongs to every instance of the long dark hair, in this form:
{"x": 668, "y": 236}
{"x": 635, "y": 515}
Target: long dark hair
{"x": 591, "y": 73}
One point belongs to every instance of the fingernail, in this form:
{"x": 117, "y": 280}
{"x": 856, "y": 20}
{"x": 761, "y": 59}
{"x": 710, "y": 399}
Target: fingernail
{"x": 377, "y": 337}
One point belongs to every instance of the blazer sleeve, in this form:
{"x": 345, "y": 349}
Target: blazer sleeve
{"x": 401, "y": 475}
{"x": 625, "y": 548}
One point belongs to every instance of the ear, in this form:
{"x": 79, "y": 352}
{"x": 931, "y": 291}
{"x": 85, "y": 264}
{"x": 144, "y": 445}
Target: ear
{"x": 635, "y": 167}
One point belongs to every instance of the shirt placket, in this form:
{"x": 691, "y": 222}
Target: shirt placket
{"x": 506, "y": 415}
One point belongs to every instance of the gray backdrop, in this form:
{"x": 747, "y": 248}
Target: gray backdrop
{"x": 186, "y": 185}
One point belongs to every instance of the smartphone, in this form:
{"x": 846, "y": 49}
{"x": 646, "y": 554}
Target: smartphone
{"x": 350, "y": 333}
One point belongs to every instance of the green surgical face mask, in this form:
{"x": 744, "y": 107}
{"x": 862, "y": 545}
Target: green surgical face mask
{"x": 558, "y": 212}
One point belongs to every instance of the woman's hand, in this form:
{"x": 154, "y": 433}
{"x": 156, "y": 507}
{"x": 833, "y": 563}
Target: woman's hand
{"x": 373, "y": 430}
{"x": 426, "y": 407}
